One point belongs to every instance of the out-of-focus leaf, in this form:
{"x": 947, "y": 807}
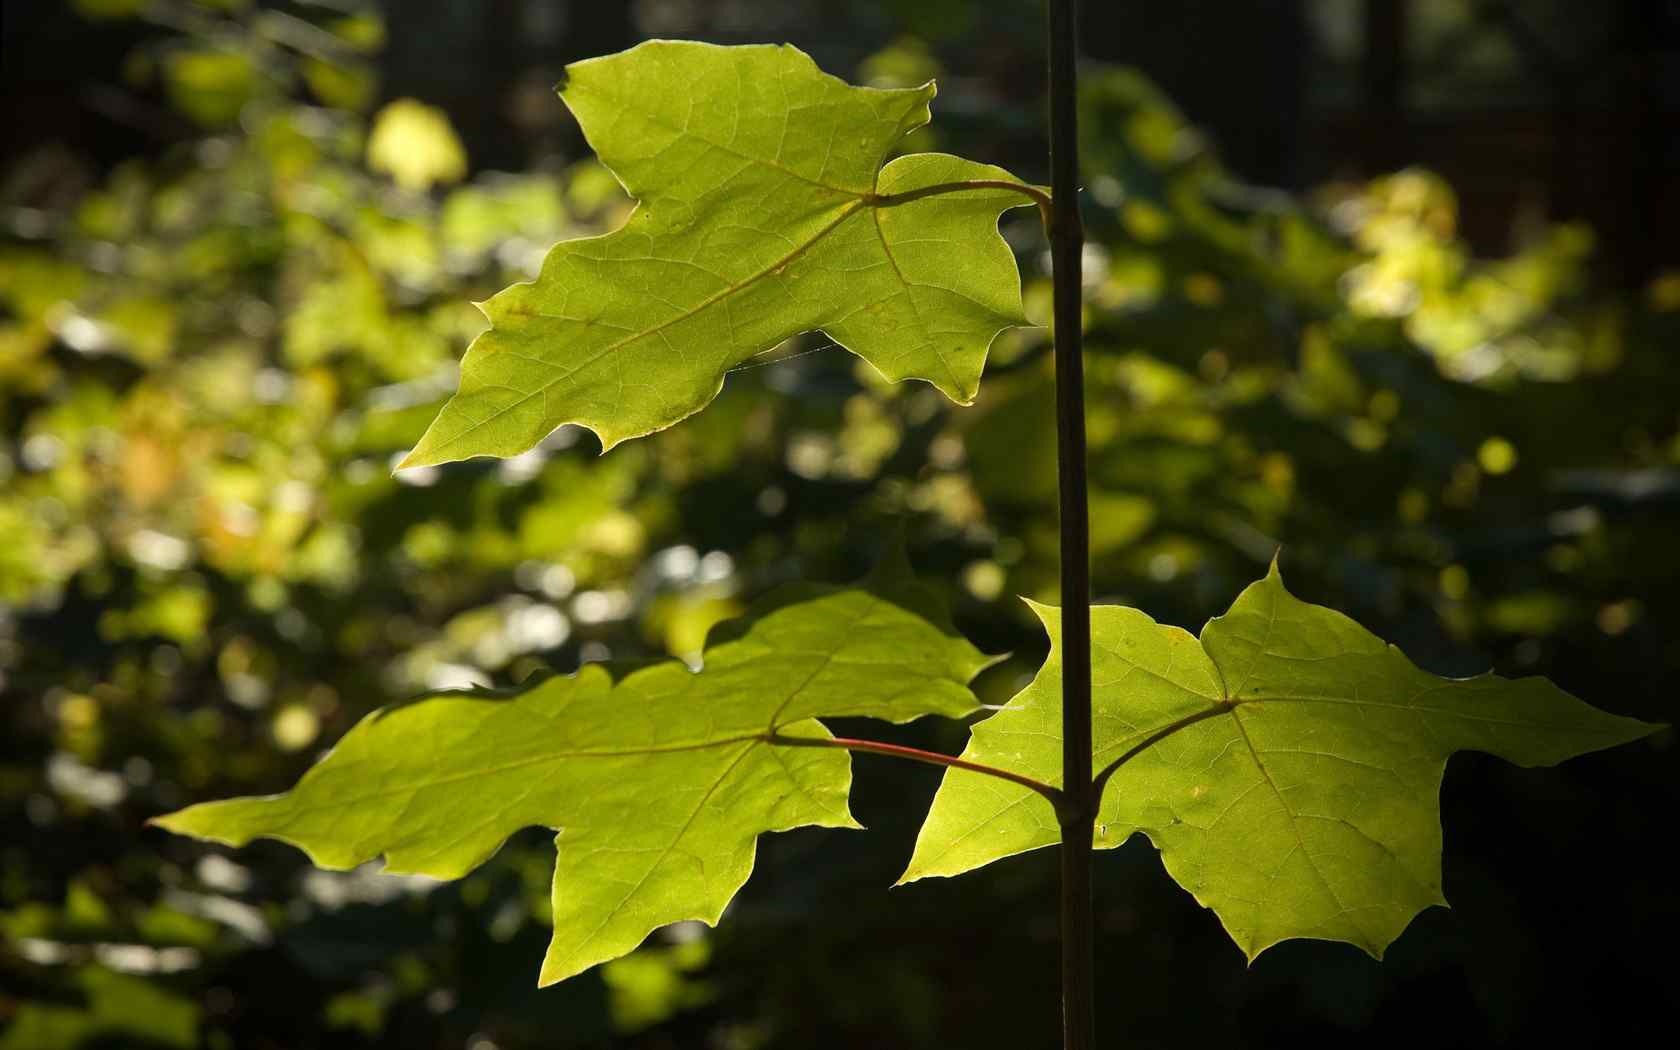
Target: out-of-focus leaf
{"x": 211, "y": 87}
{"x": 415, "y": 144}
{"x": 116, "y": 1010}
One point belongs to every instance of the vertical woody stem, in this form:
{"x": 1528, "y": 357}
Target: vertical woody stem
{"x": 1067, "y": 241}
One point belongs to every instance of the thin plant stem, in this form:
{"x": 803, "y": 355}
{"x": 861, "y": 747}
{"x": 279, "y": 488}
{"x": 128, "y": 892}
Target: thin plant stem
{"x": 1078, "y": 814}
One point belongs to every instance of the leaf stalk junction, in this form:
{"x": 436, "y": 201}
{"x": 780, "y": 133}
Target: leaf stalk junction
{"x": 1036, "y": 195}
{"x": 916, "y": 754}
{"x": 1067, "y": 808}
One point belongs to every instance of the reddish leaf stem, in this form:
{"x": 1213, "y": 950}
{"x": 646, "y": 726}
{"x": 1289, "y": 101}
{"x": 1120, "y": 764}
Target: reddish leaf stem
{"x": 1038, "y": 196}
{"x": 1150, "y": 741}
{"x": 916, "y": 754}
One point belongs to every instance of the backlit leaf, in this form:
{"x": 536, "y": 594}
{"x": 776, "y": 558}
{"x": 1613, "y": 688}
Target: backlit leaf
{"x": 658, "y": 784}
{"x": 1299, "y": 796}
{"x": 765, "y": 212}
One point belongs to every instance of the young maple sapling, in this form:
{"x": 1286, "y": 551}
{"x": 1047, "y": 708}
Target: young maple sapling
{"x": 1286, "y": 763}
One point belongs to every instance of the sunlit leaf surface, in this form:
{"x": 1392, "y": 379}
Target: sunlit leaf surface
{"x": 762, "y": 187}
{"x": 659, "y": 784}
{"x": 1298, "y": 798}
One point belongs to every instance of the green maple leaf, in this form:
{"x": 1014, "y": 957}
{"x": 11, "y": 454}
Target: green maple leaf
{"x": 1287, "y": 765}
{"x": 658, "y": 785}
{"x": 765, "y": 211}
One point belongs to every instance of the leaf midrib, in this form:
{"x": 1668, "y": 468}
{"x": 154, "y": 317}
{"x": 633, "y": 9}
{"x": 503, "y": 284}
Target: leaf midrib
{"x": 780, "y": 264}
{"x": 1288, "y": 812}
{"x": 551, "y": 756}
{"x": 663, "y": 853}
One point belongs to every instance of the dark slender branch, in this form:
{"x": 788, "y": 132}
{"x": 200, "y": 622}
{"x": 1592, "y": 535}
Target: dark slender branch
{"x": 1078, "y": 817}
{"x": 1150, "y": 741}
{"x": 916, "y": 754}
{"x": 1038, "y": 196}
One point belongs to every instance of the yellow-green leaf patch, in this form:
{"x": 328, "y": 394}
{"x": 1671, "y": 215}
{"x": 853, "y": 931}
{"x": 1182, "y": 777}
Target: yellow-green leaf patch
{"x": 658, "y": 785}
{"x": 766, "y": 209}
{"x": 1293, "y": 780}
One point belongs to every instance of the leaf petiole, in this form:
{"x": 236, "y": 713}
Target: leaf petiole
{"x": 1101, "y": 780}
{"x": 1038, "y": 196}
{"x": 916, "y": 754}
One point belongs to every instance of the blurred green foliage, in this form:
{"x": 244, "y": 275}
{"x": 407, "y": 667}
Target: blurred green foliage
{"x": 209, "y": 363}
